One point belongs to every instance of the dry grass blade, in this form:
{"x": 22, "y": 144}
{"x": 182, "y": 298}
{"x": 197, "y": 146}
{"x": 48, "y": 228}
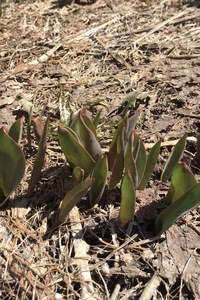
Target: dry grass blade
{"x": 69, "y": 55}
{"x": 81, "y": 258}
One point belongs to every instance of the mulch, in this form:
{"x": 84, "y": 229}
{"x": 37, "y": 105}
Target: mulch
{"x": 60, "y": 56}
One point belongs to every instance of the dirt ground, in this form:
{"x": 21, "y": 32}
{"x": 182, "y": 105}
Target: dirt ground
{"x": 60, "y": 56}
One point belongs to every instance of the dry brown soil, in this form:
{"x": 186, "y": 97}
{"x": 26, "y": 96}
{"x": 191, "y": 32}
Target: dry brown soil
{"x": 60, "y": 56}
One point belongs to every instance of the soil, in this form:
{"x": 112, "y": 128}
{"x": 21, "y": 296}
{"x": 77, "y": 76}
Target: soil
{"x": 60, "y": 56}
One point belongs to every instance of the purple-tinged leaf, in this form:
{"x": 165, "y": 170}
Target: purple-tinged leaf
{"x": 113, "y": 146}
{"x": 38, "y": 127}
{"x": 129, "y": 161}
{"x": 76, "y": 121}
{"x": 127, "y": 207}
{"x": 39, "y": 160}
{"x": 181, "y": 206}
{"x": 73, "y": 133}
{"x": 132, "y": 123}
{"x": 136, "y": 144}
{"x": 15, "y": 131}
{"x": 75, "y": 124}
{"x": 100, "y": 175}
{"x": 118, "y": 167}
{"x": 85, "y": 115}
{"x": 150, "y": 164}
{"x": 88, "y": 138}
{"x": 12, "y": 166}
{"x": 73, "y": 197}
{"x": 140, "y": 161}
{"x": 182, "y": 180}
{"x": 74, "y": 152}
{"x": 130, "y": 126}
{"x": 173, "y": 159}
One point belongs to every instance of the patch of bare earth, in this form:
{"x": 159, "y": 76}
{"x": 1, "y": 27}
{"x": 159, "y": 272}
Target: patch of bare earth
{"x": 60, "y": 56}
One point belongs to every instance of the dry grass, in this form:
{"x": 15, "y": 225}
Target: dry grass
{"x": 60, "y": 57}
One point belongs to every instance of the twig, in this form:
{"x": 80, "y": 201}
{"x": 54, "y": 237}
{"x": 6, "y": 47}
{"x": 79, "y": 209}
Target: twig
{"x": 184, "y": 57}
{"x": 45, "y": 57}
{"x": 125, "y": 245}
{"x": 183, "y": 272}
{"x": 104, "y": 283}
{"x": 101, "y": 240}
{"x": 171, "y": 143}
{"x": 81, "y": 257}
{"x": 116, "y": 290}
{"x": 159, "y": 26}
{"x": 143, "y": 242}
{"x": 150, "y": 288}
{"x": 186, "y": 19}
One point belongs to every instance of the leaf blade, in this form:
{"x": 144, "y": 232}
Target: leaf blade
{"x": 173, "y": 159}
{"x": 140, "y": 161}
{"x": 118, "y": 164}
{"x": 131, "y": 124}
{"x": 88, "y": 137}
{"x": 181, "y": 181}
{"x": 39, "y": 160}
{"x": 100, "y": 174}
{"x": 38, "y": 127}
{"x": 127, "y": 207}
{"x": 15, "y": 131}
{"x": 129, "y": 162}
{"x": 12, "y": 165}
{"x": 74, "y": 151}
{"x": 113, "y": 146}
{"x": 150, "y": 164}
{"x": 181, "y": 206}
{"x": 73, "y": 197}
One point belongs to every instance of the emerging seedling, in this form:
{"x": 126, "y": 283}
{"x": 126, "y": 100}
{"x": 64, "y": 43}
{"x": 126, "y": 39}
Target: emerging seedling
{"x": 12, "y": 162}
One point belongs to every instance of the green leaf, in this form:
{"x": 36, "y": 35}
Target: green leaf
{"x": 84, "y": 128}
{"x": 140, "y": 161}
{"x": 129, "y": 161}
{"x": 96, "y": 119}
{"x": 181, "y": 206}
{"x": 15, "y": 131}
{"x": 173, "y": 159}
{"x": 38, "y": 127}
{"x": 100, "y": 175}
{"x": 127, "y": 207}
{"x": 88, "y": 138}
{"x": 73, "y": 133}
{"x": 85, "y": 115}
{"x": 12, "y": 165}
{"x": 182, "y": 180}
{"x": 39, "y": 160}
{"x": 75, "y": 124}
{"x": 77, "y": 175}
{"x": 150, "y": 164}
{"x": 118, "y": 167}
{"x": 113, "y": 146}
{"x": 73, "y": 197}
{"x": 74, "y": 151}
{"x": 136, "y": 144}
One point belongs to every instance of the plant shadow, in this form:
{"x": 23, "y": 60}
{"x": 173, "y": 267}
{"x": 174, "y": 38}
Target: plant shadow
{"x": 195, "y": 3}
{"x": 63, "y": 3}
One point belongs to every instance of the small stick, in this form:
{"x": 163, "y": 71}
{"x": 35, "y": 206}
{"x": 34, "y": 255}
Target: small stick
{"x": 150, "y": 288}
